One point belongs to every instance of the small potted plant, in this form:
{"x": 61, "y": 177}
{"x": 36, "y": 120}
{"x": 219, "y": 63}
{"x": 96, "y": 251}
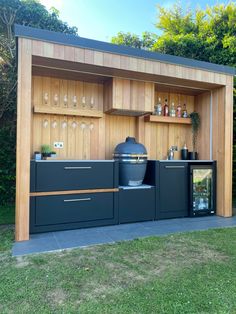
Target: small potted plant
{"x": 46, "y": 151}
{"x": 195, "y": 120}
{"x": 53, "y": 154}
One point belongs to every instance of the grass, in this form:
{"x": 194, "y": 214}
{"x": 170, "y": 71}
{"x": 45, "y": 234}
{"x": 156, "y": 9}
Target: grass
{"x": 7, "y": 214}
{"x": 182, "y": 273}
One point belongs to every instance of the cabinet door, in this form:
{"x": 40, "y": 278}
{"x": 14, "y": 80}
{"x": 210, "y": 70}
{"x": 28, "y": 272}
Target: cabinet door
{"x": 121, "y": 94}
{"x": 129, "y": 96}
{"x": 136, "y": 204}
{"x": 173, "y": 190}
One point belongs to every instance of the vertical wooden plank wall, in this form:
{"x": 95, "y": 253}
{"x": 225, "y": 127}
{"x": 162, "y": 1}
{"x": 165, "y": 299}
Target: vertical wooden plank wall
{"x": 117, "y": 128}
{"x": 23, "y": 139}
{"x": 203, "y": 107}
{"x": 80, "y": 135}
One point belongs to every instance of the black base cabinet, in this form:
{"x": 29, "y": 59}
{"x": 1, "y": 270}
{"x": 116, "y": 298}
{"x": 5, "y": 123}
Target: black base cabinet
{"x": 136, "y": 204}
{"x": 172, "y": 200}
{"x": 177, "y": 193}
{"x": 62, "y": 212}
{"x": 170, "y": 190}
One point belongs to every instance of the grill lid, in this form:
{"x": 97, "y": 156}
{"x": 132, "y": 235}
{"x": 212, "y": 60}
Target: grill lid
{"x": 130, "y": 148}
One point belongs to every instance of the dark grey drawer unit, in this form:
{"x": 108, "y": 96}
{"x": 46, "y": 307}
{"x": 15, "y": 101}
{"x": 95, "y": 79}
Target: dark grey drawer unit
{"x": 53, "y": 206}
{"x": 136, "y": 204}
{"x": 61, "y": 212}
{"x": 172, "y": 191}
{"x": 62, "y": 176}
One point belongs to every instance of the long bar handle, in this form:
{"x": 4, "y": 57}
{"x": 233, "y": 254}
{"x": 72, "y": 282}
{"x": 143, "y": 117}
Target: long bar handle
{"x": 78, "y": 200}
{"x": 174, "y": 167}
{"x": 76, "y": 168}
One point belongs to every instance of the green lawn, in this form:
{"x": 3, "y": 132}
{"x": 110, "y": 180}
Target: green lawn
{"x": 182, "y": 273}
{"x": 7, "y": 214}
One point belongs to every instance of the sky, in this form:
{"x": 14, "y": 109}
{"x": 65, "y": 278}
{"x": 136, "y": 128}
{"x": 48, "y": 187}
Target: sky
{"x": 102, "y": 19}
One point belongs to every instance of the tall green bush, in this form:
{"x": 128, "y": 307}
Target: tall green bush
{"x": 7, "y": 164}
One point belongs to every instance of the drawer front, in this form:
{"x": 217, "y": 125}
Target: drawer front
{"x": 59, "y": 176}
{"x": 61, "y": 212}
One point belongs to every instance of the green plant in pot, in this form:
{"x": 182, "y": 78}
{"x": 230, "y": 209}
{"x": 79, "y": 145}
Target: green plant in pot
{"x": 195, "y": 120}
{"x": 46, "y": 151}
{"x": 53, "y": 154}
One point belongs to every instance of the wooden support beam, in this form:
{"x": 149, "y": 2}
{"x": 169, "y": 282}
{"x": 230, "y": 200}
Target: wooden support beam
{"x": 23, "y": 139}
{"x": 222, "y": 147}
{"x": 228, "y": 149}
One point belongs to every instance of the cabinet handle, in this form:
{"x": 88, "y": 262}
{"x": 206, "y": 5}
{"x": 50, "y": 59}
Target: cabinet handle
{"x": 78, "y": 200}
{"x": 174, "y": 167}
{"x": 76, "y": 168}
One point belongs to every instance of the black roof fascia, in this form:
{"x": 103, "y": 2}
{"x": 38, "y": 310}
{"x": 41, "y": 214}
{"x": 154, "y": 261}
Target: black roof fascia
{"x": 72, "y": 40}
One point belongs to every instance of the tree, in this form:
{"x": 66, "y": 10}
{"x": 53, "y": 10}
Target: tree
{"x": 127, "y": 39}
{"x": 207, "y": 35}
{"x": 30, "y": 13}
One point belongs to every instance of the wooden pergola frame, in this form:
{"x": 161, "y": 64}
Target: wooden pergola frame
{"x": 36, "y": 54}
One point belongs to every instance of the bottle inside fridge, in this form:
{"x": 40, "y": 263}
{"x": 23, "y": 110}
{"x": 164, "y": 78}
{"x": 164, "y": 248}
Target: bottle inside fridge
{"x": 202, "y": 198}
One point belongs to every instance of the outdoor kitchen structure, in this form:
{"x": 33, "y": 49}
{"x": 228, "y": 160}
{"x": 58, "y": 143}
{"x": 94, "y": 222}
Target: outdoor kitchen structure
{"x": 84, "y": 97}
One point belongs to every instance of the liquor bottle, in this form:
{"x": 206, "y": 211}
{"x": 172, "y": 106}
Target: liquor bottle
{"x": 178, "y": 111}
{"x": 159, "y": 107}
{"x": 166, "y": 109}
{"x": 185, "y": 113}
{"x": 172, "y": 110}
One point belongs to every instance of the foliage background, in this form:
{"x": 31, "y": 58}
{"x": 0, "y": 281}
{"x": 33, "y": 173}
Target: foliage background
{"x": 208, "y": 35}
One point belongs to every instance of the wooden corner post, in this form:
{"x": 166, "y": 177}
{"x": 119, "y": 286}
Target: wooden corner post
{"x": 23, "y": 138}
{"x": 222, "y": 146}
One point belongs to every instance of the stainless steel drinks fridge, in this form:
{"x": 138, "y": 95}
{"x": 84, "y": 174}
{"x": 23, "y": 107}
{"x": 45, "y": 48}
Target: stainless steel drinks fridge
{"x": 202, "y": 189}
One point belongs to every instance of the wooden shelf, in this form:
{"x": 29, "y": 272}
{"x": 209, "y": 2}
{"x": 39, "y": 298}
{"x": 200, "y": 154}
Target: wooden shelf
{"x": 162, "y": 119}
{"x": 69, "y": 112}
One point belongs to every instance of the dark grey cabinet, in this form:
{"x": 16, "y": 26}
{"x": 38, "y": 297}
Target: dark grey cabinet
{"x": 137, "y": 204}
{"x": 172, "y": 190}
{"x": 55, "y": 207}
{"x": 61, "y": 212}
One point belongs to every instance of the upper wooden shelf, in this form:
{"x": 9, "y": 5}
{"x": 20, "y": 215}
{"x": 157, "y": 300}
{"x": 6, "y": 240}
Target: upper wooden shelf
{"x": 69, "y": 111}
{"x": 162, "y": 119}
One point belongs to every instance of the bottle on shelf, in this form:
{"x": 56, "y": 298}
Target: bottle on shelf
{"x": 184, "y": 152}
{"x": 158, "y": 108}
{"x": 178, "y": 111}
{"x": 166, "y": 109}
{"x": 185, "y": 113}
{"x": 172, "y": 110}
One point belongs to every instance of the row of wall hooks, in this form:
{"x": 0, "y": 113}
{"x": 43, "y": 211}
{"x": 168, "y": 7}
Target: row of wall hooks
{"x": 83, "y": 101}
{"x": 65, "y": 124}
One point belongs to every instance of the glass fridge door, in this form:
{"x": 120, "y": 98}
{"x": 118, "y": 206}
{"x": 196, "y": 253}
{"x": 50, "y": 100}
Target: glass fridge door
{"x": 202, "y": 197}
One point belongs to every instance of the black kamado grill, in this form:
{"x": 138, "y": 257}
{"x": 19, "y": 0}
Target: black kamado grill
{"x": 132, "y": 157}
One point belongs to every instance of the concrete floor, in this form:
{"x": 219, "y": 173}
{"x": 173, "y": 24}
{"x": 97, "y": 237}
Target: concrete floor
{"x": 60, "y": 240}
